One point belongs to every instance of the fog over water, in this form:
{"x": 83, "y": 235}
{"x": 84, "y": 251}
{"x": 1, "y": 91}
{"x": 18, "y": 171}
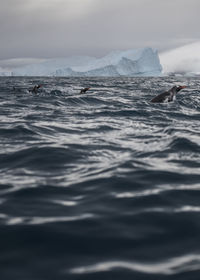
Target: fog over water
{"x": 183, "y": 59}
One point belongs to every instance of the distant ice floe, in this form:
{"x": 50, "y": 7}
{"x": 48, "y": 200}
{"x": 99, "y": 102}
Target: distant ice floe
{"x": 182, "y": 60}
{"x": 135, "y": 62}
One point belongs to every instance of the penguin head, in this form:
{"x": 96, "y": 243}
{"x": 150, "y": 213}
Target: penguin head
{"x": 178, "y": 88}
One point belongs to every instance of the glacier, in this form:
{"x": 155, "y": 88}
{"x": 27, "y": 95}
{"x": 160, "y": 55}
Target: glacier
{"x": 135, "y": 62}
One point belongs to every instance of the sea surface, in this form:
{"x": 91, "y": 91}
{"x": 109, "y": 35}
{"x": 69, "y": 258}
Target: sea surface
{"x": 100, "y": 186}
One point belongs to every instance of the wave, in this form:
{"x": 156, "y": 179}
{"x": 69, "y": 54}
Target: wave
{"x": 171, "y": 266}
{"x": 106, "y": 180}
{"x": 41, "y": 158}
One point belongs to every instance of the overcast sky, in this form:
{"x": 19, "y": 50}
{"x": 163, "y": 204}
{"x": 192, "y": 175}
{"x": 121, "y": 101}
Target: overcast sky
{"x": 57, "y": 28}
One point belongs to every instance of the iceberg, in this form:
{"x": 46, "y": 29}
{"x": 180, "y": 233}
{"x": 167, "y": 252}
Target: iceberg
{"x": 49, "y": 67}
{"x": 5, "y": 72}
{"x": 135, "y": 62}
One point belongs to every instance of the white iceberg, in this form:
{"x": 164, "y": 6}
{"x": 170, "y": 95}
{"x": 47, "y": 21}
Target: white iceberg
{"x": 4, "y": 72}
{"x": 49, "y": 67}
{"x": 136, "y": 62}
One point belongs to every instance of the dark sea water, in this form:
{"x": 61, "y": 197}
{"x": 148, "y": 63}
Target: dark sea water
{"x": 101, "y": 186}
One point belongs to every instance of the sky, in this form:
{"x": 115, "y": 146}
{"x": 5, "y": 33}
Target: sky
{"x": 32, "y": 30}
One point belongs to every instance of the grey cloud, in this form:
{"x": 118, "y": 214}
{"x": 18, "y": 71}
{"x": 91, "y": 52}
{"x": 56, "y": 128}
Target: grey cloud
{"x": 44, "y": 29}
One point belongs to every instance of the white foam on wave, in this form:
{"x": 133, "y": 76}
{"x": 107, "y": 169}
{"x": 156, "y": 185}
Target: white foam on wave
{"x": 46, "y": 220}
{"x": 65, "y": 202}
{"x": 168, "y": 267}
{"x": 157, "y": 191}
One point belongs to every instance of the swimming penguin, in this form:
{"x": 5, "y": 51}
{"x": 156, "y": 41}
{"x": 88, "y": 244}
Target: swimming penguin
{"x": 35, "y": 89}
{"x": 167, "y": 96}
{"x": 84, "y": 90}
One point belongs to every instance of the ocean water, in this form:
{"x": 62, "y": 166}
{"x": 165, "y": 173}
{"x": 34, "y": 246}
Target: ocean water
{"x": 101, "y": 186}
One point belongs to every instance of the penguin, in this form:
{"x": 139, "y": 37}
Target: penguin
{"x": 167, "y": 96}
{"x": 84, "y": 90}
{"x": 35, "y": 89}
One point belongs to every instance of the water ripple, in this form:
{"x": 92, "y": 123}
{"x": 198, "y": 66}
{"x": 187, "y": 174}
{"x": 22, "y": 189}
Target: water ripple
{"x": 44, "y": 220}
{"x": 104, "y": 183}
{"x": 169, "y": 267}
